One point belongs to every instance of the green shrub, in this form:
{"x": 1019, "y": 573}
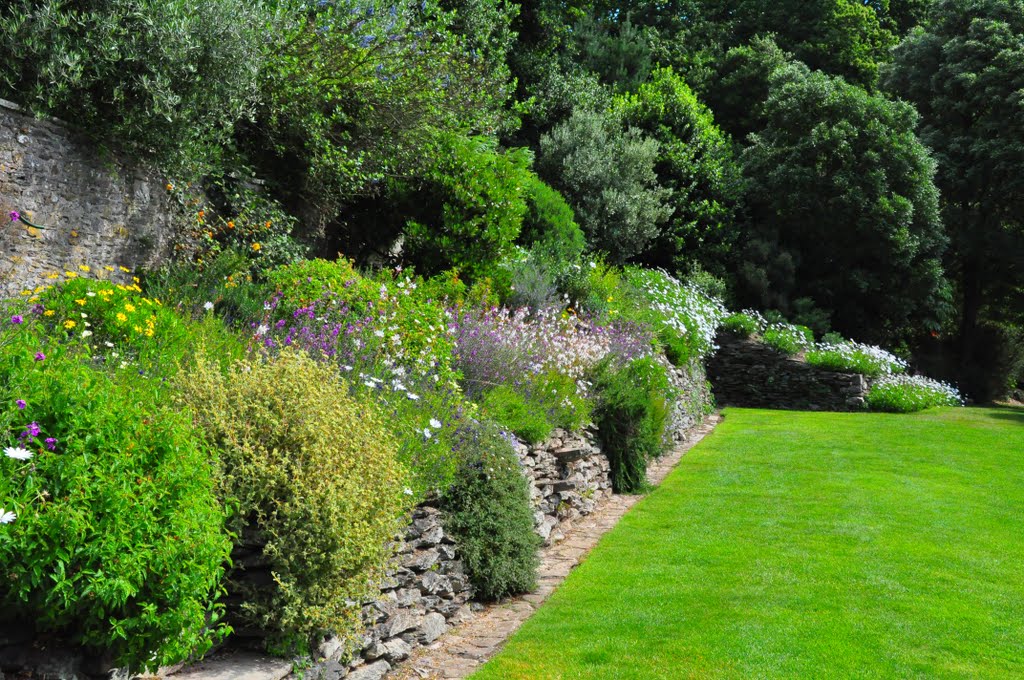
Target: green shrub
{"x": 511, "y": 410}
{"x": 852, "y": 357}
{"x": 168, "y": 78}
{"x": 469, "y": 210}
{"x": 741, "y": 325}
{"x": 788, "y": 338}
{"x": 118, "y": 542}
{"x": 905, "y": 394}
{"x": 594, "y": 287}
{"x": 550, "y": 229}
{"x": 631, "y": 413}
{"x": 487, "y": 511}
{"x": 313, "y": 472}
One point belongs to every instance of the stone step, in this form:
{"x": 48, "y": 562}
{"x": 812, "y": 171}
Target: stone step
{"x": 236, "y": 666}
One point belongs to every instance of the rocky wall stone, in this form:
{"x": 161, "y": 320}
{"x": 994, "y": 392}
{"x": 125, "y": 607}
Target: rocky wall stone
{"x": 97, "y": 210}
{"x": 745, "y": 372}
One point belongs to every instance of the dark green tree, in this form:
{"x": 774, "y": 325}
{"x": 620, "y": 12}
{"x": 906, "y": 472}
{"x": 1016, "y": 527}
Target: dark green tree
{"x": 839, "y": 180}
{"x": 696, "y": 164}
{"x": 964, "y": 71}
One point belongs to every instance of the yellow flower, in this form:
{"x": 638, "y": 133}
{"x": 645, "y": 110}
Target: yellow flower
{"x": 135, "y": 279}
{"x": 26, "y": 292}
{"x": 231, "y": 225}
{"x": 109, "y": 268}
{"x": 69, "y": 324}
{"x": 39, "y": 289}
{"x": 53, "y": 275}
{"x": 121, "y": 317}
{"x": 170, "y": 187}
{"x": 84, "y": 267}
{"x": 49, "y": 312}
{"x": 34, "y": 298}
{"x": 71, "y": 275}
{"x": 80, "y": 301}
{"x": 124, "y": 269}
{"x": 256, "y": 247}
{"x": 129, "y": 307}
{"x": 149, "y": 332}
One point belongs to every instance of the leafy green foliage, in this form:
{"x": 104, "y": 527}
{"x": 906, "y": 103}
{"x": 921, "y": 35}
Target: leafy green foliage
{"x": 964, "y": 70}
{"x": 631, "y": 413}
{"x": 851, "y": 357}
{"x": 469, "y": 209}
{"x": 606, "y": 172}
{"x": 741, "y": 325}
{"x": 788, "y": 338}
{"x": 166, "y": 78}
{"x": 695, "y": 163}
{"x": 838, "y": 179}
{"x": 741, "y": 84}
{"x": 906, "y": 394}
{"x": 550, "y": 230}
{"x": 118, "y": 540}
{"x": 311, "y": 471}
{"x": 487, "y": 511}
{"x": 511, "y": 410}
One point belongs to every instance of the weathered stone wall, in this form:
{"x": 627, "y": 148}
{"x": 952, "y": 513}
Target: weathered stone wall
{"x": 745, "y": 372}
{"x": 97, "y": 211}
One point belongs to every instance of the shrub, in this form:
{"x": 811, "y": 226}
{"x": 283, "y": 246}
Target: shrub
{"x": 469, "y": 210}
{"x": 853, "y": 357}
{"x": 511, "y": 410}
{"x": 312, "y": 472}
{"x": 788, "y": 338}
{"x": 608, "y": 176}
{"x": 166, "y": 77}
{"x": 741, "y": 325}
{"x": 684, "y": 317}
{"x": 487, "y": 511}
{"x": 594, "y": 287}
{"x": 550, "y": 229}
{"x": 118, "y": 537}
{"x": 631, "y": 413}
{"x": 908, "y": 393}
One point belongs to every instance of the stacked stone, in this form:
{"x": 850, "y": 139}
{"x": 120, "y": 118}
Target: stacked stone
{"x": 568, "y": 477}
{"x": 694, "y": 399}
{"x": 426, "y": 588}
{"x": 749, "y": 373}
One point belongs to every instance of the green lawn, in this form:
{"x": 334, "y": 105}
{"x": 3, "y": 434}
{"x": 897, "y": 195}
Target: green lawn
{"x": 806, "y": 545}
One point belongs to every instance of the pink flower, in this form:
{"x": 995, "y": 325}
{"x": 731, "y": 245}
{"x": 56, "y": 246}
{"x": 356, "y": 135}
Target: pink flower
{"x": 15, "y": 216}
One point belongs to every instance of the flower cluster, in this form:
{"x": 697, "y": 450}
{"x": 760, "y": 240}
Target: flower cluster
{"x": 682, "y": 311}
{"x": 908, "y": 393}
{"x": 788, "y": 338}
{"x": 500, "y": 347}
{"x": 855, "y": 357}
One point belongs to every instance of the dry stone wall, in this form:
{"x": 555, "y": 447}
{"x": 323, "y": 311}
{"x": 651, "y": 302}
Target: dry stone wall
{"x": 97, "y": 211}
{"x": 427, "y": 590}
{"x": 749, "y": 373}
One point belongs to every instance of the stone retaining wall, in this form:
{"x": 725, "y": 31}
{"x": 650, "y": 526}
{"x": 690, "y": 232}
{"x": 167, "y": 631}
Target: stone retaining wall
{"x": 745, "y": 372}
{"x": 97, "y": 210}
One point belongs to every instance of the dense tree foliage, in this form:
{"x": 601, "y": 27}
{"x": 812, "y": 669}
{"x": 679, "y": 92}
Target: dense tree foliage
{"x": 964, "y": 71}
{"x": 752, "y": 139}
{"x": 839, "y": 180}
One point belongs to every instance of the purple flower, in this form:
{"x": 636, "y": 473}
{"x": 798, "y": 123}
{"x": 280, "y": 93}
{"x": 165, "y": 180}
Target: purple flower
{"x": 15, "y": 216}
{"x": 21, "y": 404}
{"x": 33, "y": 429}
{"x": 16, "y": 319}
{"x": 40, "y": 356}
{"x": 51, "y": 443}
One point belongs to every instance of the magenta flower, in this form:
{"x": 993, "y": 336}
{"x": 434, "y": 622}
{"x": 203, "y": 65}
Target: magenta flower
{"x": 33, "y": 429}
{"x": 15, "y": 216}
{"x": 17, "y": 318}
{"x": 21, "y": 404}
{"x": 40, "y": 356}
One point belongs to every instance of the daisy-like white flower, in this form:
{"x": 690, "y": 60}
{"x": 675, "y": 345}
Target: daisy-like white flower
{"x": 86, "y": 334}
{"x": 435, "y": 423}
{"x": 7, "y": 516}
{"x": 17, "y": 453}
{"x": 208, "y": 305}
{"x": 407, "y": 491}
{"x": 427, "y": 434}
{"x": 262, "y": 329}
{"x": 414, "y": 397}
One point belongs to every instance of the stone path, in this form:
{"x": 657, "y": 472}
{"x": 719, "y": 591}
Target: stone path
{"x": 461, "y": 651}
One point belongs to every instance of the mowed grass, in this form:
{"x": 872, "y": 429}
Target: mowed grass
{"x": 811, "y": 545}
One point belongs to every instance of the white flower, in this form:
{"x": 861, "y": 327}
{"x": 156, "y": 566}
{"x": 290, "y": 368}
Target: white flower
{"x": 262, "y": 329}
{"x": 86, "y": 334}
{"x": 17, "y": 453}
{"x": 6, "y": 516}
{"x": 435, "y": 423}
{"x": 427, "y": 434}
{"x": 84, "y": 315}
{"x": 207, "y": 305}
{"x": 369, "y": 384}
{"x": 414, "y": 397}
{"x": 379, "y": 333}
{"x": 346, "y": 368}
{"x": 91, "y": 294}
{"x": 407, "y": 491}
{"x": 108, "y": 343}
